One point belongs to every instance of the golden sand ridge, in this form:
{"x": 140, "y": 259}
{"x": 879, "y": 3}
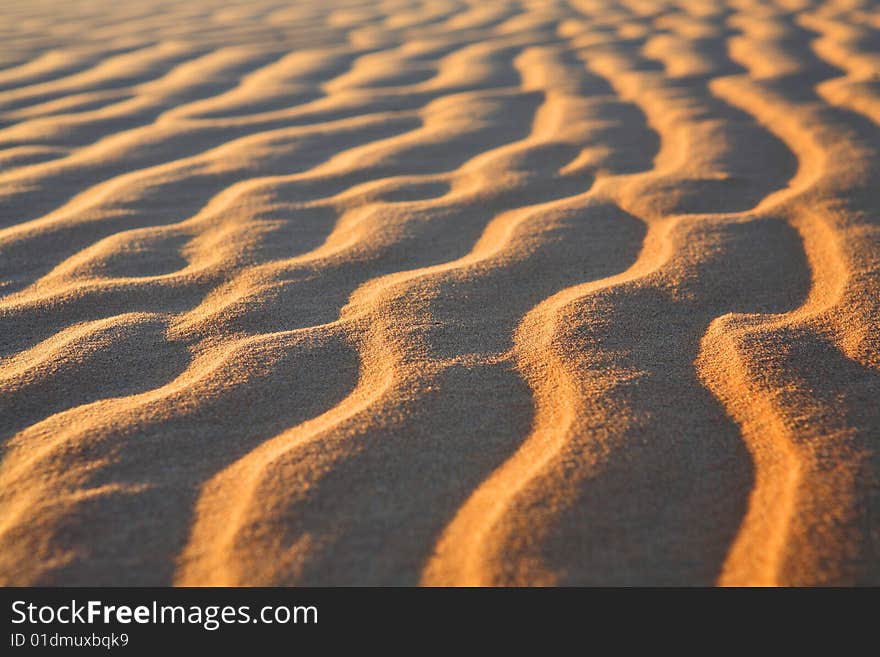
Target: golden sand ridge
{"x": 441, "y": 292}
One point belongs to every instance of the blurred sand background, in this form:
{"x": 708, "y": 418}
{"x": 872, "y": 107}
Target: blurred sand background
{"x": 369, "y": 292}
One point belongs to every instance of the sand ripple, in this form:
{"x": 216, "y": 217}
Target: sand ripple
{"x": 441, "y": 292}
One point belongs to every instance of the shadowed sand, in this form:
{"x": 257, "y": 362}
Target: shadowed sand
{"x": 440, "y": 292}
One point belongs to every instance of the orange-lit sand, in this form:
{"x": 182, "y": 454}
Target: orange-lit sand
{"x": 446, "y": 292}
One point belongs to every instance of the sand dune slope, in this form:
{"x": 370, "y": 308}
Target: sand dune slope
{"x": 440, "y": 292}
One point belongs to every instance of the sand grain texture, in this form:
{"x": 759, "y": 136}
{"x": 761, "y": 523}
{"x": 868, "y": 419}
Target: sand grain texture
{"x": 392, "y": 292}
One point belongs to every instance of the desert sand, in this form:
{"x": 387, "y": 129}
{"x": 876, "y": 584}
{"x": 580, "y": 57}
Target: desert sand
{"x": 453, "y": 292}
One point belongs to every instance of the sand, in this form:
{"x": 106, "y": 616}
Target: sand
{"x": 454, "y": 292}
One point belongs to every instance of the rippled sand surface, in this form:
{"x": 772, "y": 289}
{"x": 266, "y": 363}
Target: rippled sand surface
{"x": 368, "y": 292}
